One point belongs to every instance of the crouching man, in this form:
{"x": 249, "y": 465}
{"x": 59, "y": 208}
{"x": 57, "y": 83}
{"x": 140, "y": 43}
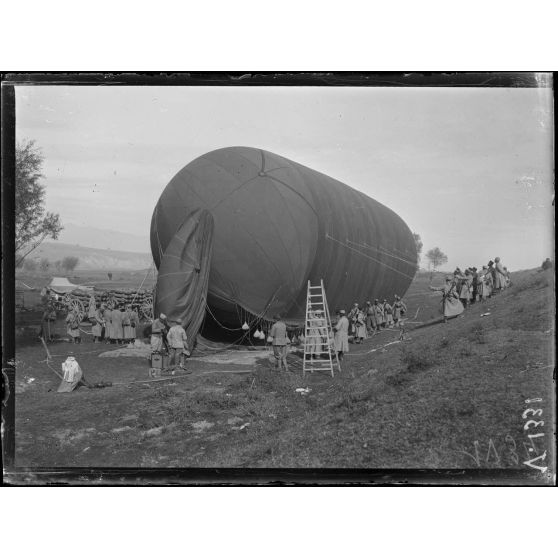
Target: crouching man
{"x": 73, "y": 375}
{"x": 178, "y": 344}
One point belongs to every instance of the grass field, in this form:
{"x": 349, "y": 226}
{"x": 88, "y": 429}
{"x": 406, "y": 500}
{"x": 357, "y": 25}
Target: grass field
{"x": 449, "y": 396}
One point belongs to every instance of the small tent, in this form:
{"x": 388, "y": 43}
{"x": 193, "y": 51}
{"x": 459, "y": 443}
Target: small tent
{"x": 62, "y": 285}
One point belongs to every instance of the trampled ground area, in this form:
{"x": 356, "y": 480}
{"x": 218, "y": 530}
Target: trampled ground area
{"x": 449, "y": 396}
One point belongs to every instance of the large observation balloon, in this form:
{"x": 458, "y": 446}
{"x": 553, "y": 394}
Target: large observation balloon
{"x": 242, "y": 230}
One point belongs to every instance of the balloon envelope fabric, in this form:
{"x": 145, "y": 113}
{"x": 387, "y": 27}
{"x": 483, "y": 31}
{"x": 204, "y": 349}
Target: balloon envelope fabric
{"x": 276, "y": 225}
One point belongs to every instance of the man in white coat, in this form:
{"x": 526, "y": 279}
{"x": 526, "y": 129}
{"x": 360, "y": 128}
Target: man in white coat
{"x": 341, "y": 336}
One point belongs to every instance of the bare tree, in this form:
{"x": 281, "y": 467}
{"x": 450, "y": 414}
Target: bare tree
{"x": 32, "y": 224}
{"x": 436, "y": 258}
{"x": 69, "y": 263}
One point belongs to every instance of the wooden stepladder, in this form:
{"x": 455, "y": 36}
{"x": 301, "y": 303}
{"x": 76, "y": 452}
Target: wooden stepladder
{"x": 318, "y": 333}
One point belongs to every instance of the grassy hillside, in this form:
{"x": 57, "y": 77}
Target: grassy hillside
{"x": 92, "y": 258}
{"x": 450, "y": 395}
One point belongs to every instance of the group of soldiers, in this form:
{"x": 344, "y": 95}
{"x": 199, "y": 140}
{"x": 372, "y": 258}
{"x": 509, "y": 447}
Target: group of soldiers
{"x": 360, "y": 323}
{"x": 371, "y": 319}
{"x": 110, "y": 323}
{"x": 113, "y": 324}
{"x": 464, "y": 288}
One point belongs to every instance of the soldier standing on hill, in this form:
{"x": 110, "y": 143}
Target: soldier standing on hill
{"x": 360, "y": 326}
{"x": 97, "y": 328}
{"x": 475, "y": 284}
{"x": 127, "y": 321}
{"x": 178, "y": 342}
{"x": 353, "y": 317}
{"x": 378, "y": 315}
{"x": 484, "y": 284}
{"x": 48, "y": 321}
{"x": 278, "y": 333}
{"x": 72, "y": 323}
{"x": 341, "y": 335}
{"x": 451, "y": 305}
{"x": 499, "y": 276}
{"x": 466, "y": 287}
{"x": 399, "y": 309}
{"x": 370, "y": 327}
{"x": 158, "y": 330}
{"x": 117, "y": 330}
{"x": 388, "y": 313}
{"x": 107, "y": 318}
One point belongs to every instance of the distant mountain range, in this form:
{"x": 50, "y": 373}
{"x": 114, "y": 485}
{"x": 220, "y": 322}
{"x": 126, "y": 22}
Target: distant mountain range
{"x": 103, "y": 239}
{"x": 93, "y": 258}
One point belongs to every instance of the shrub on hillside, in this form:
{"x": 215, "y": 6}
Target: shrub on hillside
{"x": 69, "y": 263}
{"x": 465, "y": 349}
{"x": 352, "y": 396}
{"x": 477, "y": 334}
{"x": 419, "y": 358}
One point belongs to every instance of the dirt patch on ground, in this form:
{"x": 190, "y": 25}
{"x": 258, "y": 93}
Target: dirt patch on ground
{"x": 246, "y": 357}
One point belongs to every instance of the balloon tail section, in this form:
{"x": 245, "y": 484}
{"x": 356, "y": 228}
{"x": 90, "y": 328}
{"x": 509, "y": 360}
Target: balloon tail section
{"x": 181, "y": 291}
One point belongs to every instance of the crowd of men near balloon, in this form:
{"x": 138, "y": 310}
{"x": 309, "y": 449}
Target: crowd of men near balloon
{"x": 110, "y": 323}
{"x": 371, "y": 319}
{"x": 460, "y": 290}
{"x": 115, "y": 324}
{"x": 360, "y": 323}
{"x": 465, "y": 288}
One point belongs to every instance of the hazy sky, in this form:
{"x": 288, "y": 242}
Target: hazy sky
{"x": 470, "y": 170}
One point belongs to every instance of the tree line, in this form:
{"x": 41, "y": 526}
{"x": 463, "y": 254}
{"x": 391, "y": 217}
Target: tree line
{"x": 66, "y": 264}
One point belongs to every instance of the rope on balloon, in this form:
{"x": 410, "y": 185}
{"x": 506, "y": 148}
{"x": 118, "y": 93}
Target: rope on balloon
{"x": 401, "y": 252}
{"x": 139, "y": 289}
{"x": 257, "y": 319}
{"x": 382, "y": 263}
{"x": 227, "y": 347}
{"x": 367, "y": 256}
{"x": 219, "y": 323}
{"x": 382, "y": 251}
